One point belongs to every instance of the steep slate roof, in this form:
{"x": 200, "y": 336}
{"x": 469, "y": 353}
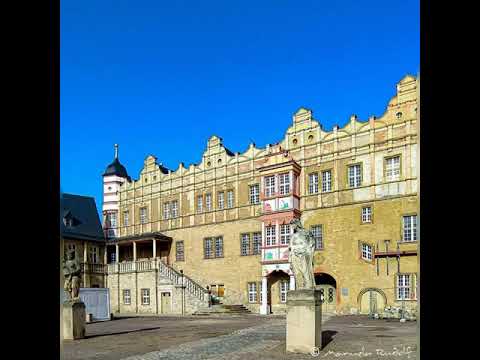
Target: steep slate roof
{"x": 117, "y": 169}
{"x": 83, "y": 212}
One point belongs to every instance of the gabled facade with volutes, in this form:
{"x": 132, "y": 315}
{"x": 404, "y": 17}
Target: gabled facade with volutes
{"x": 224, "y": 222}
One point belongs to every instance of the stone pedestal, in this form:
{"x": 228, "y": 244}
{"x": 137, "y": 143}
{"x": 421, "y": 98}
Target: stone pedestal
{"x": 304, "y": 321}
{"x": 73, "y": 320}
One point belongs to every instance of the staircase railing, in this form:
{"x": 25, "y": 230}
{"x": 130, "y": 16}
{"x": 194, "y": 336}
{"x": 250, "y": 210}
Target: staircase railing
{"x": 176, "y": 277}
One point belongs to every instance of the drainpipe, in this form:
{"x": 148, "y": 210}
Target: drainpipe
{"x": 183, "y": 294}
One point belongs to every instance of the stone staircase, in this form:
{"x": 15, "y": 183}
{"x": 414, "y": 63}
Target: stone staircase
{"x": 223, "y": 309}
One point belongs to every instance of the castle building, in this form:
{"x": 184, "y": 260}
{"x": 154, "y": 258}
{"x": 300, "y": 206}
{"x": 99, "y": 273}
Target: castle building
{"x": 224, "y": 223}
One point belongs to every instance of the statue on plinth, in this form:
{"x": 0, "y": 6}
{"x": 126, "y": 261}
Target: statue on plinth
{"x": 72, "y": 273}
{"x": 301, "y": 250}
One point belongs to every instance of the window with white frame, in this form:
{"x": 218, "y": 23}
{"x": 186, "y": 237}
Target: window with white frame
{"x": 199, "y": 203}
{"x": 143, "y": 215}
{"x": 245, "y": 245}
{"x": 179, "y": 251}
{"x": 284, "y": 234}
{"x": 208, "y": 202}
{"x": 213, "y": 247}
{"x": 269, "y": 185}
{"x": 126, "y": 217}
{"x": 113, "y": 220}
{"x": 145, "y": 296}
{"x": 326, "y": 181}
{"x": 284, "y": 184}
{"x": 410, "y": 228}
{"x": 252, "y": 292}
{"x": 367, "y": 214}
{"x": 317, "y": 233}
{"x": 366, "y": 252}
{"x": 270, "y": 236}
{"x": 93, "y": 254}
{"x": 220, "y": 200}
{"x": 166, "y": 211}
{"x": 405, "y": 287}
{"x": 127, "y": 297}
{"x": 219, "y": 246}
{"x": 284, "y": 286}
{"x": 208, "y": 248}
{"x": 174, "y": 208}
{"x": 354, "y": 175}
{"x": 260, "y": 297}
{"x": 313, "y": 183}
{"x": 257, "y": 242}
{"x": 392, "y": 168}
{"x": 255, "y": 194}
{"x": 230, "y": 199}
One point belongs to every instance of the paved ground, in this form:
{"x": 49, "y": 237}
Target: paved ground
{"x": 240, "y": 337}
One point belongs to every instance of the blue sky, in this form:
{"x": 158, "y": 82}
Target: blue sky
{"x": 161, "y": 77}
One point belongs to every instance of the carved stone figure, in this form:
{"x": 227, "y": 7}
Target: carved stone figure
{"x": 72, "y": 273}
{"x": 301, "y": 250}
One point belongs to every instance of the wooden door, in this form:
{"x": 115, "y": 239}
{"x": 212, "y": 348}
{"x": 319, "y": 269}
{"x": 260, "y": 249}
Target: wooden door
{"x": 372, "y": 302}
{"x": 221, "y": 290}
{"x": 166, "y": 302}
{"x": 329, "y": 295}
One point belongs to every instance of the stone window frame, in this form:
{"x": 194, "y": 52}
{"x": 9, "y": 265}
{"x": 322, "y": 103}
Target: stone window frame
{"x": 402, "y": 231}
{"x": 372, "y": 250}
{"x": 259, "y": 241}
{"x": 245, "y": 248}
{"x": 362, "y": 222}
{"x": 213, "y": 247}
{"x": 174, "y": 209}
{"x": 230, "y": 199}
{"x": 322, "y": 236}
{"x": 253, "y": 292}
{"x": 126, "y": 217}
{"x": 221, "y": 204}
{"x": 271, "y": 239}
{"x": 385, "y": 160}
{"x": 412, "y": 287}
{"x": 145, "y": 296}
{"x": 330, "y": 180}
{"x": 143, "y": 215}
{"x": 179, "y": 255}
{"x": 166, "y": 210}
{"x": 283, "y": 291}
{"x": 313, "y": 186}
{"x": 125, "y": 297}
{"x": 254, "y": 194}
{"x": 270, "y": 186}
{"x": 284, "y": 235}
{"x": 253, "y": 237}
{"x": 284, "y": 184}
{"x": 208, "y": 202}
{"x": 199, "y": 204}
{"x": 350, "y": 166}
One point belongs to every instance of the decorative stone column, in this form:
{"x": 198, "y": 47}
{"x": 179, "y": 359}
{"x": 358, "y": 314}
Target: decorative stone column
{"x": 154, "y": 251}
{"x": 264, "y": 305}
{"x": 134, "y": 255}
{"x": 304, "y": 321}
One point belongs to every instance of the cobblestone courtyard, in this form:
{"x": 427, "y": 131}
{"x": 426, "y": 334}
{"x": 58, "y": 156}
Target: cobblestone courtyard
{"x": 239, "y": 337}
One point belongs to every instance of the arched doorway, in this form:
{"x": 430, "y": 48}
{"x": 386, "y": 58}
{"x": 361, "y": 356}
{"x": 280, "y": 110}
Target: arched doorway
{"x": 371, "y": 301}
{"x": 328, "y": 288}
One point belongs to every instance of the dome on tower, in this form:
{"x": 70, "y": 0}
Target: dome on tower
{"x": 115, "y": 168}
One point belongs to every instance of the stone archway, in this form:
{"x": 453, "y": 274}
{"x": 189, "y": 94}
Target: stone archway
{"x": 371, "y": 300}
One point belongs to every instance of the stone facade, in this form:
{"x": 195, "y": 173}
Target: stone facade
{"x": 385, "y": 150}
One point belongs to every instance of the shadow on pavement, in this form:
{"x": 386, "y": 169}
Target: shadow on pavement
{"x": 327, "y": 337}
{"x": 121, "y": 332}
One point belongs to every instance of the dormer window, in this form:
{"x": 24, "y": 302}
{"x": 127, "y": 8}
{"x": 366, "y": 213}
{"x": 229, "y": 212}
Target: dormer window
{"x": 68, "y": 221}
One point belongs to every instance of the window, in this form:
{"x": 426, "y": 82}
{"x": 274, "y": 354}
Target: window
{"x": 260, "y": 291}
{"x": 221, "y": 200}
{"x": 179, "y": 251}
{"x": 213, "y": 247}
{"x": 199, "y": 203}
{"x": 269, "y": 185}
{"x": 93, "y": 254}
{"x": 313, "y": 183}
{"x": 166, "y": 211}
{"x": 405, "y": 287}
{"x": 284, "y": 183}
{"x": 126, "y": 218}
{"x": 113, "y": 220}
{"x": 326, "y": 181}
{"x": 284, "y": 286}
{"x": 270, "y": 237}
{"x": 257, "y": 242}
{"x": 230, "y": 199}
{"x": 145, "y": 296}
{"x": 392, "y": 168}
{"x": 143, "y": 215}
{"x": 317, "y": 233}
{"x": 367, "y": 214}
{"x": 252, "y": 292}
{"x": 354, "y": 176}
{"x": 113, "y": 257}
{"x": 245, "y": 245}
{"x": 127, "y": 297}
{"x": 284, "y": 234}
{"x": 208, "y": 202}
{"x": 174, "y": 208}
{"x": 410, "y": 228}
{"x": 366, "y": 252}
{"x": 219, "y": 247}
{"x": 207, "y": 246}
{"x": 255, "y": 194}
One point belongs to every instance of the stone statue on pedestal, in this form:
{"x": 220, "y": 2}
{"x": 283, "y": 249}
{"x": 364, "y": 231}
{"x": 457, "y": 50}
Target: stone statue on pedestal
{"x": 301, "y": 250}
{"x": 72, "y": 273}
